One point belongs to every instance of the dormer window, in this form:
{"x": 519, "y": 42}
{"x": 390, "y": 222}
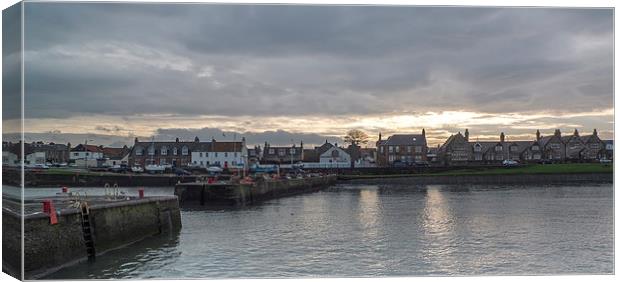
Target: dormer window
{"x": 164, "y": 150}
{"x": 477, "y": 148}
{"x": 184, "y": 151}
{"x": 174, "y": 151}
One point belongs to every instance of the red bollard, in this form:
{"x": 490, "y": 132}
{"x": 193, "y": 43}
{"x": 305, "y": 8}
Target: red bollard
{"x": 141, "y": 193}
{"x": 48, "y": 208}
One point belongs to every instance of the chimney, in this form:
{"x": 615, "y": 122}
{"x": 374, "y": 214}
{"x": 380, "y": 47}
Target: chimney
{"x": 177, "y": 140}
{"x": 423, "y": 132}
{"x": 379, "y": 137}
{"x": 196, "y": 139}
{"x": 466, "y": 134}
{"x": 538, "y": 135}
{"x": 557, "y": 133}
{"x": 502, "y": 137}
{"x": 576, "y": 133}
{"x": 594, "y": 132}
{"x": 301, "y": 144}
{"x": 135, "y": 140}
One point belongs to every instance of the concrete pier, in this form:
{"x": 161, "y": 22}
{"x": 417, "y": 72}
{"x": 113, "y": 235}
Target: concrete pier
{"x": 241, "y": 194}
{"x": 111, "y": 224}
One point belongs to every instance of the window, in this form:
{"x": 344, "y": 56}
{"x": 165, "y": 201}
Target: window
{"x": 87, "y": 153}
{"x": 164, "y": 150}
{"x": 594, "y": 146}
{"x": 293, "y": 151}
{"x": 281, "y": 152}
{"x": 498, "y": 148}
{"x": 408, "y": 149}
{"x": 216, "y": 154}
{"x": 207, "y": 154}
{"x": 77, "y": 154}
{"x": 418, "y": 149}
{"x": 151, "y": 150}
{"x": 555, "y": 146}
{"x": 535, "y": 148}
{"x": 514, "y": 148}
{"x": 201, "y": 163}
{"x": 391, "y": 149}
{"x": 272, "y": 151}
{"x": 397, "y": 149}
{"x": 477, "y": 148}
{"x": 174, "y": 151}
{"x": 200, "y": 154}
{"x": 225, "y": 154}
{"x": 418, "y": 158}
{"x": 184, "y": 151}
{"x": 381, "y": 149}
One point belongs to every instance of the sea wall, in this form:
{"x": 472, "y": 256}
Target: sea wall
{"x": 116, "y": 224}
{"x": 241, "y": 194}
{"x": 45, "y": 179}
{"x": 488, "y": 179}
{"x": 11, "y": 243}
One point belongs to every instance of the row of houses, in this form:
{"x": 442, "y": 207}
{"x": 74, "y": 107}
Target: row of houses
{"x": 459, "y": 149}
{"x": 237, "y": 153}
{"x": 398, "y": 149}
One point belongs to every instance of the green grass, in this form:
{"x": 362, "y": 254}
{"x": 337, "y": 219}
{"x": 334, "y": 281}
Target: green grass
{"x": 528, "y": 169}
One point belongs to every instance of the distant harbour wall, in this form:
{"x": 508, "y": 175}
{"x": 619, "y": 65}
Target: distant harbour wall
{"x": 487, "y": 179}
{"x": 43, "y": 179}
{"x": 50, "y": 247}
{"x": 241, "y": 194}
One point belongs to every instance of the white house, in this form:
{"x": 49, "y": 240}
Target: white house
{"x": 35, "y": 158}
{"x": 86, "y": 152}
{"x": 220, "y": 153}
{"x": 335, "y": 154}
{"x": 9, "y": 159}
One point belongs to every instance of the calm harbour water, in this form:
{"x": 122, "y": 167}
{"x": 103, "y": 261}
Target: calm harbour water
{"x": 370, "y": 231}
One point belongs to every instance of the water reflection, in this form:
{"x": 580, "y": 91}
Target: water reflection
{"x": 438, "y": 225}
{"x": 370, "y": 231}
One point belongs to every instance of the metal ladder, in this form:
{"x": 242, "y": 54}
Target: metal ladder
{"x": 87, "y": 232}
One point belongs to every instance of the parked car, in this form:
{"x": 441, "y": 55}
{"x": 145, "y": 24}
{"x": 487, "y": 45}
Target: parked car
{"x": 545, "y": 161}
{"x": 510, "y": 163}
{"x": 180, "y": 171}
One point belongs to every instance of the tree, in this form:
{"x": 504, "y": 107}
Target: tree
{"x": 356, "y": 137}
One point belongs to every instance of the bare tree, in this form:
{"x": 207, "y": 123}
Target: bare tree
{"x": 356, "y": 137}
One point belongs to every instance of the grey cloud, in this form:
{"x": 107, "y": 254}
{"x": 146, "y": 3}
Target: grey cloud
{"x": 315, "y": 60}
{"x": 276, "y": 137}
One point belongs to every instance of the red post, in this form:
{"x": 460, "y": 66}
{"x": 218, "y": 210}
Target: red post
{"x": 141, "y": 192}
{"x": 48, "y": 208}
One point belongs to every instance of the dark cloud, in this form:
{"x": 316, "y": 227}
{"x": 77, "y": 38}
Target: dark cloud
{"x": 276, "y": 138}
{"x": 279, "y": 60}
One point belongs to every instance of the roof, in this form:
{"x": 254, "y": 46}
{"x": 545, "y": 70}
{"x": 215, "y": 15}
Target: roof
{"x": 406, "y": 139}
{"x": 224, "y": 146}
{"x": 87, "y": 148}
{"x": 115, "y": 153}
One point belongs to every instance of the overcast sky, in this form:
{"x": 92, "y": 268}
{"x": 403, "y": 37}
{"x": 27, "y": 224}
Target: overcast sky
{"x": 143, "y": 69}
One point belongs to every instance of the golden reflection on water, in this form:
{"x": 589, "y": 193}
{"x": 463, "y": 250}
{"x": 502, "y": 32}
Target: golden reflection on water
{"x": 438, "y": 224}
